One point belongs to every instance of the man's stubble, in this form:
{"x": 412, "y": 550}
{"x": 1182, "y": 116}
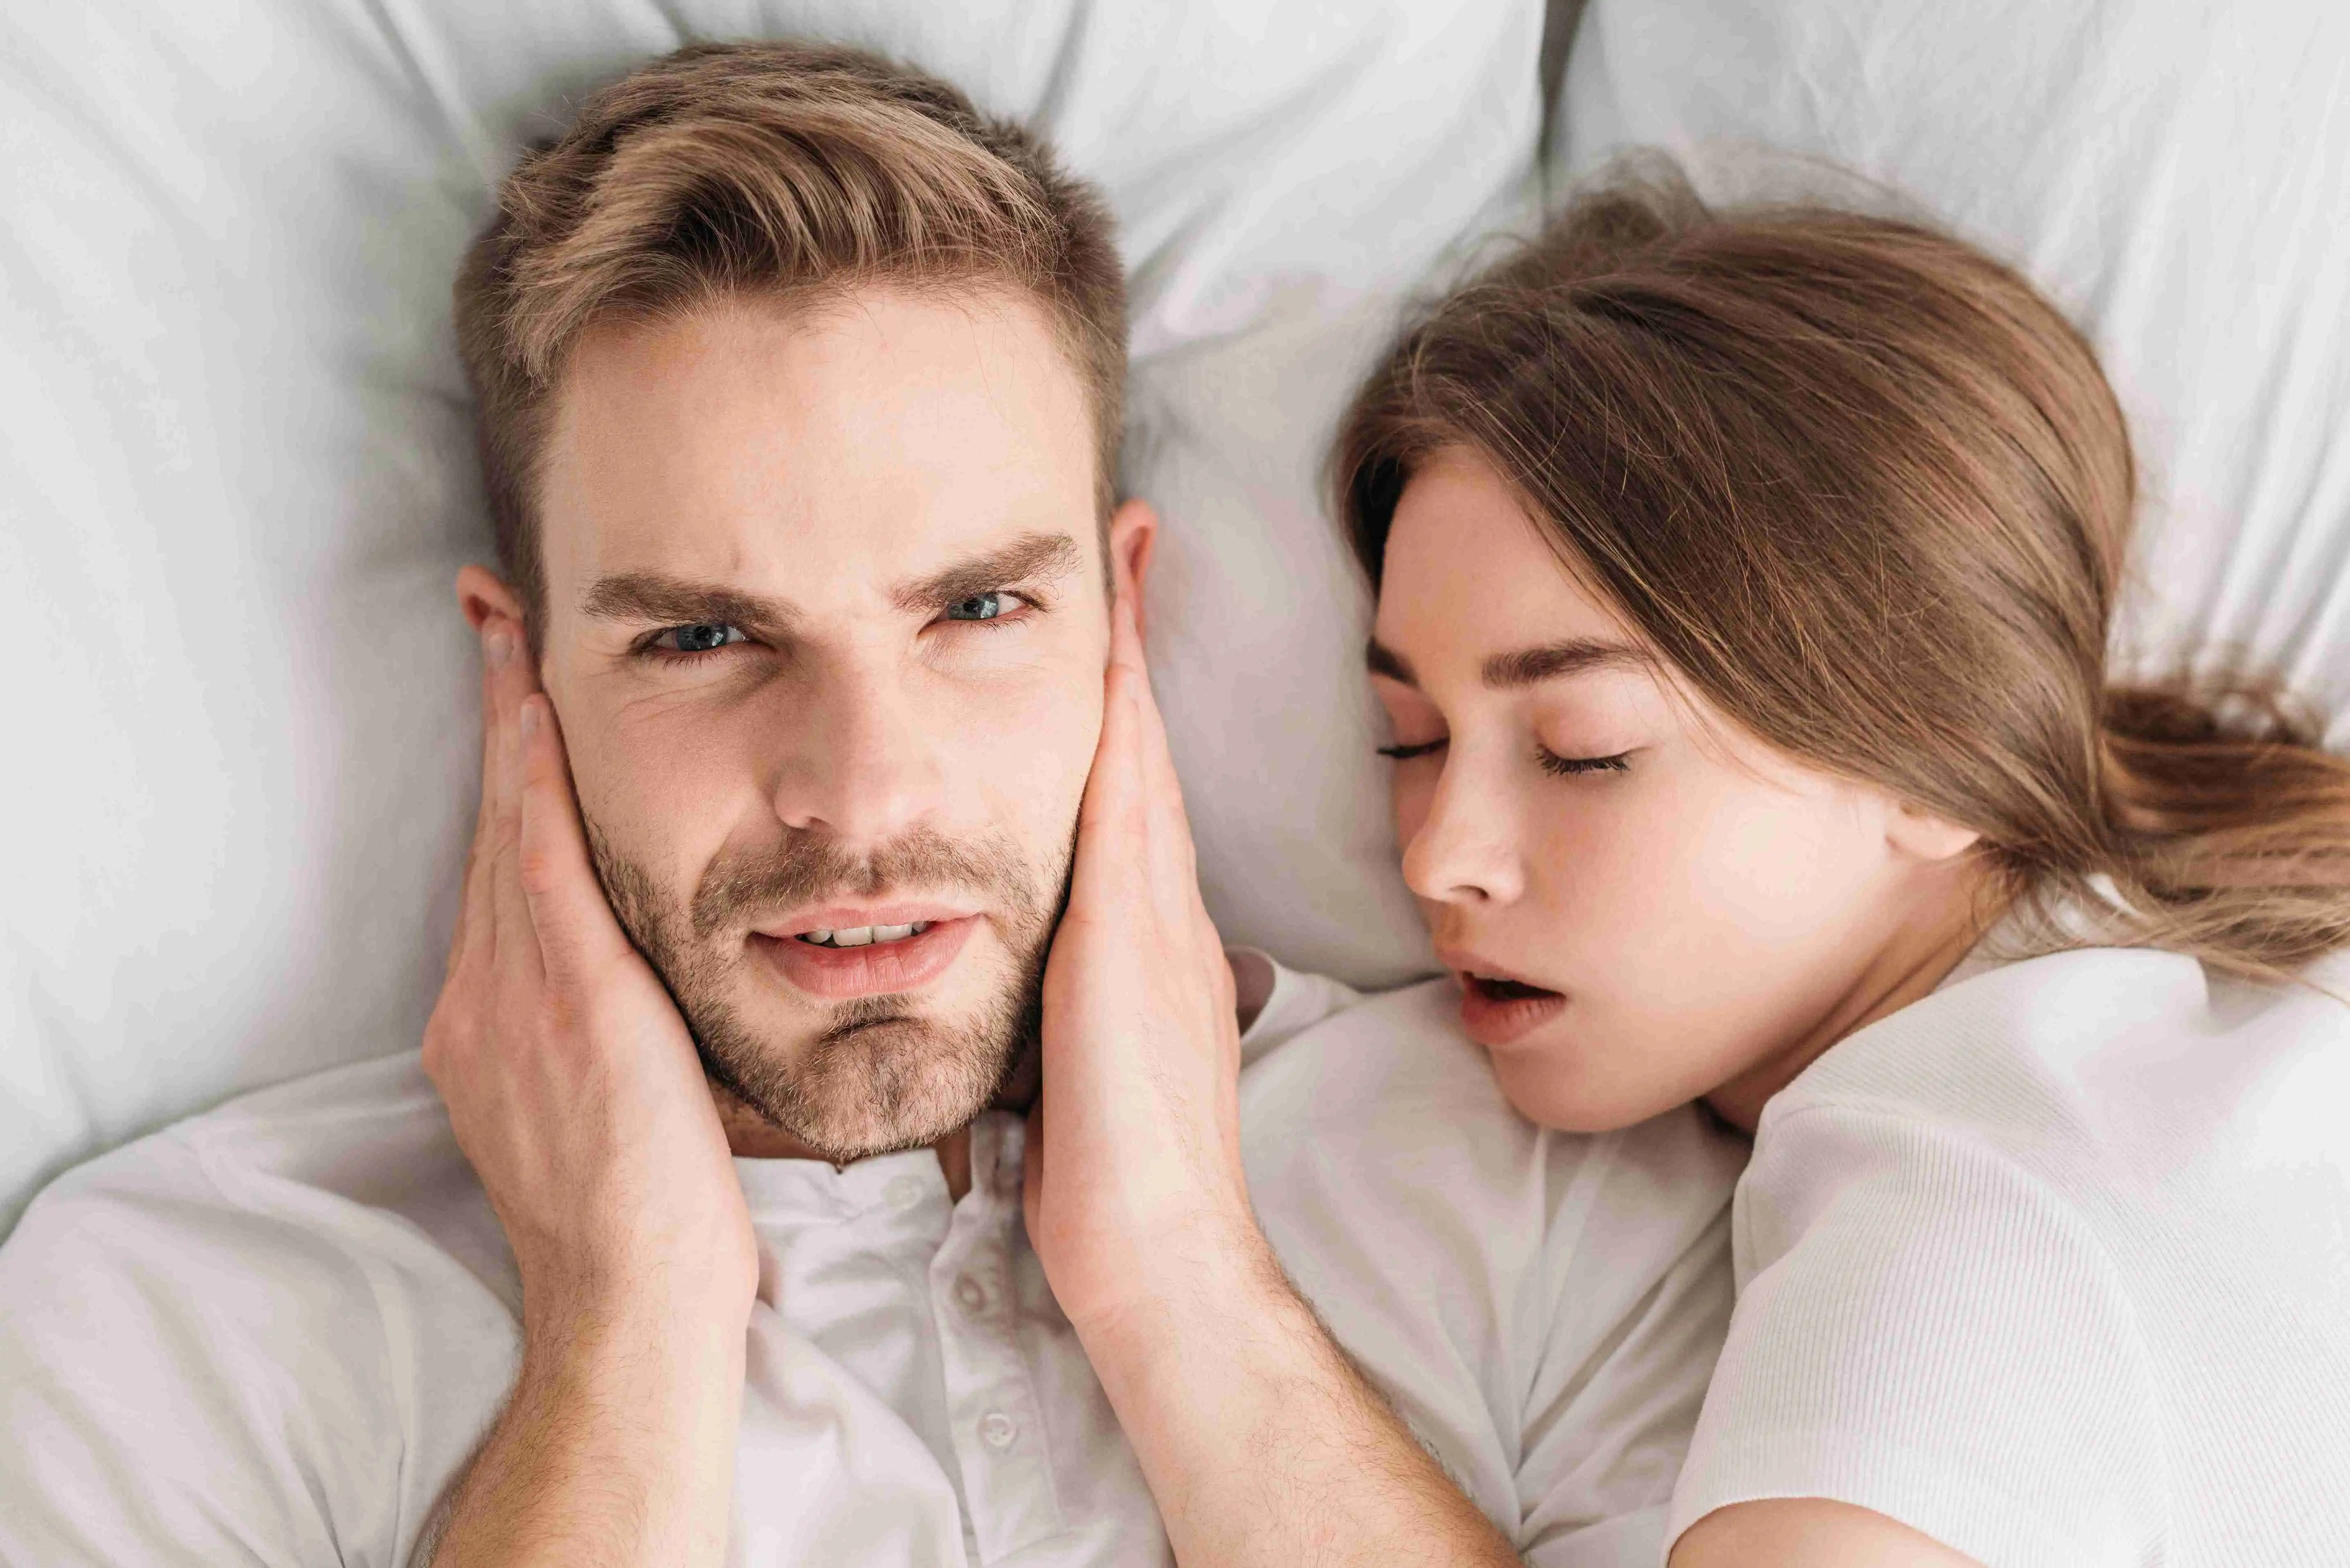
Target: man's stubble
{"x": 878, "y": 1074}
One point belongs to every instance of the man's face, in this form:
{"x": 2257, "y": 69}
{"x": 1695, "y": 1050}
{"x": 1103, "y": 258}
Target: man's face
{"x": 825, "y": 626}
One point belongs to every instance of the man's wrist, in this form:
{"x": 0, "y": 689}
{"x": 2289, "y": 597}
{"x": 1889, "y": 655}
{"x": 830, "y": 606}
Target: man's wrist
{"x": 649, "y": 1321}
{"x": 565, "y": 1294}
{"x": 618, "y": 1442}
{"x": 655, "y": 1357}
{"x": 1199, "y": 1281}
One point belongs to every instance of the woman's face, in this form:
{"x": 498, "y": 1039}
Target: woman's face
{"x": 1642, "y": 903}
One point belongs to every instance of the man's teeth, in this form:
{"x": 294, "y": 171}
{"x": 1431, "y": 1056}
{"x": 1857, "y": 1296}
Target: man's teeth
{"x": 862, "y": 936}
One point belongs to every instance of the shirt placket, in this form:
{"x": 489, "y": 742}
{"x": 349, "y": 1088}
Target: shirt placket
{"x": 997, "y": 1419}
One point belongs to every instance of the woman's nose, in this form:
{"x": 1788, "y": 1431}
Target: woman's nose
{"x": 1465, "y": 850}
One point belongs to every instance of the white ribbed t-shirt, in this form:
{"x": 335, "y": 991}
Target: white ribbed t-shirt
{"x": 2053, "y": 1265}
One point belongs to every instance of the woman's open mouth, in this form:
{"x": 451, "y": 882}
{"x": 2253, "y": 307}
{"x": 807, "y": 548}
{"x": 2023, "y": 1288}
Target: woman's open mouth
{"x": 1496, "y": 1010}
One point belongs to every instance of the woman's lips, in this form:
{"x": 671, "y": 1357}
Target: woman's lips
{"x": 878, "y": 969}
{"x": 1498, "y": 1012}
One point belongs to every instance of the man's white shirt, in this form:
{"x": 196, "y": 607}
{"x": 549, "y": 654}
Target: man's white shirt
{"x": 274, "y": 1334}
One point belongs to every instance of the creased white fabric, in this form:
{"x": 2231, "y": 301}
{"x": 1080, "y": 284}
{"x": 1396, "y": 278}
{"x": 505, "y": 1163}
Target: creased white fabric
{"x": 271, "y": 1335}
{"x": 238, "y": 473}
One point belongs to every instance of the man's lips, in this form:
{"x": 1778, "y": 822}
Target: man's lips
{"x": 1497, "y": 1007}
{"x": 856, "y": 917}
{"x": 874, "y": 968}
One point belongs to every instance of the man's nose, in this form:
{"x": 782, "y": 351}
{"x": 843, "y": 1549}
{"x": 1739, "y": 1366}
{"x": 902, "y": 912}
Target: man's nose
{"x": 1467, "y": 849}
{"x": 858, "y": 761}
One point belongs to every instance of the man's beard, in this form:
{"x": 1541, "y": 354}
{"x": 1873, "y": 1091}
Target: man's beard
{"x": 878, "y": 1076}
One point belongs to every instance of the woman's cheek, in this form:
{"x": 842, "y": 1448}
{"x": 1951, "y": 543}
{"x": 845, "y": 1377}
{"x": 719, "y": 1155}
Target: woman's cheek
{"x": 1609, "y": 852}
{"x": 1408, "y": 797}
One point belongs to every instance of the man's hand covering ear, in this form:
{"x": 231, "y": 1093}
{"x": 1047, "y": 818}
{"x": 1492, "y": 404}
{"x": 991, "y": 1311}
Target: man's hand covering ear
{"x": 576, "y": 1092}
{"x": 1262, "y": 1443}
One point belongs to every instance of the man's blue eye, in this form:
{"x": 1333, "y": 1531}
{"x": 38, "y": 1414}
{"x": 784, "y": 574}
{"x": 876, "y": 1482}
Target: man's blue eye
{"x": 700, "y": 638}
{"x": 979, "y": 607}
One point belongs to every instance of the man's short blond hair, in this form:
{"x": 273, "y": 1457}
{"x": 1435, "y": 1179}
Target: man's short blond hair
{"x": 770, "y": 170}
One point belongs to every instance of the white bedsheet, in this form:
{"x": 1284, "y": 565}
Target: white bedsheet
{"x": 237, "y": 475}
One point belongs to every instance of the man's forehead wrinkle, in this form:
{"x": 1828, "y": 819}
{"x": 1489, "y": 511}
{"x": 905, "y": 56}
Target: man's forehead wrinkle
{"x": 1032, "y": 557}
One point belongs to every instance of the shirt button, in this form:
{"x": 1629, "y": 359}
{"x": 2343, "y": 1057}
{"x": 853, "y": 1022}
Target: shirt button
{"x": 970, "y": 1295}
{"x": 904, "y": 1192}
{"x": 998, "y": 1428}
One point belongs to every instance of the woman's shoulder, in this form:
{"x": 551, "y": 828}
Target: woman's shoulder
{"x": 2124, "y": 1110}
{"x": 2084, "y": 1059}
{"x": 2012, "y": 1261}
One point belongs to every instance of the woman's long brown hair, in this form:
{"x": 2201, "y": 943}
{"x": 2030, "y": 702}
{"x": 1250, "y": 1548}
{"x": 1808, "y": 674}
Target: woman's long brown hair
{"x": 1870, "y": 494}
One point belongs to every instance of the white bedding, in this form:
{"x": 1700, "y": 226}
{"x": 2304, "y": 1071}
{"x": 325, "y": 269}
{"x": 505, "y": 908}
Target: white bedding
{"x": 237, "y": 479}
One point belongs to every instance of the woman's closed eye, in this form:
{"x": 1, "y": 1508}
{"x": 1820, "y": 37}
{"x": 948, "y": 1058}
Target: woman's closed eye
{"x": 1550, "y": 762}
{"x": 1558, "y": 766}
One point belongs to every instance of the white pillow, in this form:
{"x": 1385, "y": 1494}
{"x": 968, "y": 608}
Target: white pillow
{"x": 1258, "y": 619}
{"x": 2174, "y": 173}
{"x": 238, "y": 475}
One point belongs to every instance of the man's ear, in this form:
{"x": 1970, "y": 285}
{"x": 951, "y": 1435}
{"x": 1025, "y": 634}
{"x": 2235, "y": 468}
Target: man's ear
{"x": 482, "y": 593}
{"x": 1919, "y": 834}
{"x": 1133, "y": 529}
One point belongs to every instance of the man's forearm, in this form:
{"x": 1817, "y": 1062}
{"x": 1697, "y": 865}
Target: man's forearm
{"x": 1261, "y": 1442}
{"x": 615, "y": 1449}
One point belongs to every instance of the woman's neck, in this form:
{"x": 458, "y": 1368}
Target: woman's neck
{"x": 1923, "y": 950}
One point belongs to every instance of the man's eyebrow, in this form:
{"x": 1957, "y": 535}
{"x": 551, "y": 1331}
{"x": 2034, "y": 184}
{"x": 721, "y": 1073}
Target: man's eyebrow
{"x": 1532, "y": 666}
{"x": 1032, "y": 557}
{"x": 1381, "y": 659}
{"x": 660, "y": 599}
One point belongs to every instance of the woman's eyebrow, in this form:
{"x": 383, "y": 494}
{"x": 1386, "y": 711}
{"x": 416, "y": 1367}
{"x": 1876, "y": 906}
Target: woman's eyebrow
{"x": 1381, "y": 659}
{"x": 1574, "y": 655}
{"x": 1525, "y": 667}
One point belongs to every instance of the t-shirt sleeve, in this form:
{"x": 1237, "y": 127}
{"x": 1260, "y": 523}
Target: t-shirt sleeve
{"x": 1928, "y": 1332}
{"x": 185, "y": 1380}
{"x": 1638, "y": 1280}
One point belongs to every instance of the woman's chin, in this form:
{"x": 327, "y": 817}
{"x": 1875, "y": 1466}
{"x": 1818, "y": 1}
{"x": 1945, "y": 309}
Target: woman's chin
{"x": 1560, "y": 1083}
{"x": 1499, "y": 1019}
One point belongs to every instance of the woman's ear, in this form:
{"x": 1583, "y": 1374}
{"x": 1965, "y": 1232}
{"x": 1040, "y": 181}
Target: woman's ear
{"x": 482, "y": 593}
{"x": 1921, "y": 835}
{"x": 1133, "y": 529}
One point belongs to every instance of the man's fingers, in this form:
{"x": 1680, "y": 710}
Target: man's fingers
{"x": 474, "y": 916}
{"x": 1156, "y": 762}
{"x": 510, "y": 682}
{"x": 1125, "y": 636}
{"x": 513, "y": 941}
{"x": 1173, "y": 866}
{"x": 577, "y": 929}
{"x": 507, "y": 685}
{"x": 1113, "y": 799}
